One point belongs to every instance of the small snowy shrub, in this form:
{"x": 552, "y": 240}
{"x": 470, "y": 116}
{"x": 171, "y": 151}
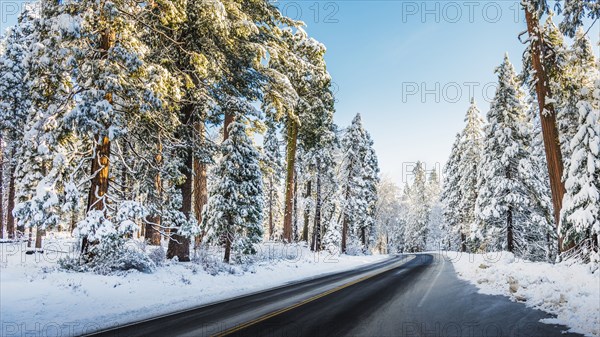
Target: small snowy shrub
{"x": 110, "y": 248}
{"x": 158, "y": 256}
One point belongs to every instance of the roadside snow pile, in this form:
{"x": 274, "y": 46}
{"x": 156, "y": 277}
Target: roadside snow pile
{"x": 571, "y": 292}
{"x": 37, "y": 297}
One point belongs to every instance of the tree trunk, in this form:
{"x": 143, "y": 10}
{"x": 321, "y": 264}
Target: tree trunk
{"x": 463, "y": 242}
{"x": 180, "y": 245}
{"x": 39, "y": 234}
{"x": 363, "y": 236}
{"x": 228, "y": 240}
{"x": 30, "y": 238}
{"x": 295, "y": 213}
{"x": 548, "y": 119}
{"x": 99, "y": 182}
{"x": 229, "y": 118}
{"x": 345, "y": 222}
{"x": 316, "y": 244}
{"x": 101, "y": 161}
{"x": 10, "y": 205}
{"x": 152, "y": 233}
{"x": 306, "y": 212}
{"x": 292, "y": 140}
{"x": 271, "y": 197}
{"x": 1, "y": 190}
{"x": 200, "y": 184}
{"x": 510, "y": 241}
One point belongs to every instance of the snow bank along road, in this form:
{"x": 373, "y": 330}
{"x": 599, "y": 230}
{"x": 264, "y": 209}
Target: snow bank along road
{"x": 409, "y": 295}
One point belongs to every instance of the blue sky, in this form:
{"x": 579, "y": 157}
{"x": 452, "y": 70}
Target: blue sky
{"x": 407, "y": 66}
{"x": 383, "y": 55}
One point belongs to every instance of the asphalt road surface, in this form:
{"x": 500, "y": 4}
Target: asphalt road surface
{"x": 416, "y": 295}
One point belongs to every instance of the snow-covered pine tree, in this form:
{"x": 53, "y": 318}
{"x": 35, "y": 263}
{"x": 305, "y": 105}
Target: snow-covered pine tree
{"x": 579, "y": 73}
{"x": 504, "y": 204}
{"x": 303, "y": 65}
{"x": 15, "y": 99}
{"x": 272, "y": 165}
{"x": 235, "y": 205}
{"x": 574, "y": 12}
{"x": 416, "y": 231}
{"x": 371, "y": 178}
{"x": 580, "y": 216}
{"x": 436, "y": 218}
{"x": 451, "y": 199}
{"x": 387, "y": 217}
{"x": 354, "y": 186}
{"x": 328, "y": 194}
{"x": 468, "y": 168}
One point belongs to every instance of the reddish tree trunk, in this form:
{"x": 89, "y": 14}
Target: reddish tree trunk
{"x": 292, "y": 139}
{"x": 548, "y": 119}
{"x": 200, "y": 183}
{"x": 1, "y": 191}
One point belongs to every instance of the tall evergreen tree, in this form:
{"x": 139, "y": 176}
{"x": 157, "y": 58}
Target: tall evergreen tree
{"x": 235, "y": 206}
{"x": 580, "y": 216}
{"x": 468, "y": 168}
{"x": 504, "y": 205}
{"x": 451, "y": 198}
{"x": 419, "y": 208}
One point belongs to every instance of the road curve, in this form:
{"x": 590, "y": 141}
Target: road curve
{"x": 407, "y": 296}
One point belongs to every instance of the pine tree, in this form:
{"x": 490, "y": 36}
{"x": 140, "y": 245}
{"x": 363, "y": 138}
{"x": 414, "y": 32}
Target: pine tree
{"x": 580, "y": 216}
{"x": 235, "y": 206}
{"x": 468, "y": 166}
{"x": 273, "y": 173}
{"x": 419, "y": 208}
{"x": 387, "y": 215}
{"x": 359, "y": 171}
{"x": 15, "y": 100}
{"x": 451, "y": 198}
{"x": 577, "y": 84}
{"x": 435, "y": 225}
{"x": 504, "y": 204}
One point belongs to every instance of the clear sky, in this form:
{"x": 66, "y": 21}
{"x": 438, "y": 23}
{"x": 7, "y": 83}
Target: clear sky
{"x": 409, "y": 67}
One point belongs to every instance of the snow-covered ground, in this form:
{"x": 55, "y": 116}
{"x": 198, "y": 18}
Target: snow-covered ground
{"x": 571, "y": 292}
{"x": 38, "y": 298}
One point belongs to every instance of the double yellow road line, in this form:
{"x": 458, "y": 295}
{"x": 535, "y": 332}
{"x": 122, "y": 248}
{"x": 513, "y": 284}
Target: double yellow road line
{"x": 308, "y": 300}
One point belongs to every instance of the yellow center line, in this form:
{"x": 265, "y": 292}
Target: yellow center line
{"x": 308, "y": 300}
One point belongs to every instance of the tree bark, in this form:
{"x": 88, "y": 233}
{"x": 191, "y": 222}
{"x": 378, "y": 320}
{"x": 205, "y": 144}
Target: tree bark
{"x": 200, "y": 183}
{"x": 39, "y": 234}
{"x": 1, "y": 190}
{"x": 547, "y": 118}
{"x": 295, "y": 213}
{"x": 271, "y": 197}
{"x": 101, "y": 161}
{"x": 306, "y": 211}
{"x": 316, "y": 243}
{"x": 292, "y": 140}
{"x": 463, "y": 242}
